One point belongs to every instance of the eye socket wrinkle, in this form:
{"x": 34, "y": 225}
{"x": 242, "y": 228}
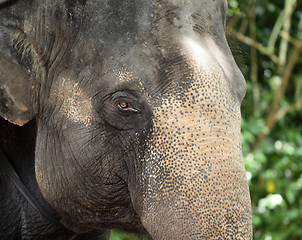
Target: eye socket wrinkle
{"x": 124, "y": 110}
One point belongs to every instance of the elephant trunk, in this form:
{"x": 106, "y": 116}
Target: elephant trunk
{"x": 197, "y": 189}
{"x": 194, "y": 182}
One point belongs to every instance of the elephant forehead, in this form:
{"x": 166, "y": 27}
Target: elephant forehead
{"x": 73, "y": 103}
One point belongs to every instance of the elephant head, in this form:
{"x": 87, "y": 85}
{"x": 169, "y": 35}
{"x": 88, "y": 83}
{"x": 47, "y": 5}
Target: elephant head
{"x": 137, "y": 105}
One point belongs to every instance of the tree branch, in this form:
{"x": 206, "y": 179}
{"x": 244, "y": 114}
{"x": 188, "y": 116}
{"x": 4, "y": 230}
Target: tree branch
{"x": 254, "y": 62}
{"x": 288, "y": 11}
{"x": 260, "y": 47}
{"x": 275, "y": 33}
{"x": 272, "y": 117}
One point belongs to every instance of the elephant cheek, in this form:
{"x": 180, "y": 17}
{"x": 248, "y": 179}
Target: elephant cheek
{"x": 194, "y": 180}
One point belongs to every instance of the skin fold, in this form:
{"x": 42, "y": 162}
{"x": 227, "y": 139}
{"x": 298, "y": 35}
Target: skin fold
{"x": 132, "y": 109}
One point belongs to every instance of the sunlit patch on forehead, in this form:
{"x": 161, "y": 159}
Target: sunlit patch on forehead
{"x": 76, "y": 105}
{"x": 221, "y": 58}
{"x": 209, "y": 57}
{"x": 195, "y": 52}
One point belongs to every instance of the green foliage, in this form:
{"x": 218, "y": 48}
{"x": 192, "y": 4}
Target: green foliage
{"x": 118, "y": 235}
{"x": 272, "y": 134}
{"x": 233, "y": 8}
{"x": 274, "y": 172}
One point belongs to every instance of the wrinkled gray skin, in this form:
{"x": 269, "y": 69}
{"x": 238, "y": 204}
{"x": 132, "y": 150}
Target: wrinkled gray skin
{"x": 137, "y": 111}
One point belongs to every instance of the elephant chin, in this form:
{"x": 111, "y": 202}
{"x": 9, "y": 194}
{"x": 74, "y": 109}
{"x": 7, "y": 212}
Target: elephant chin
{"x": 194, "y": 182}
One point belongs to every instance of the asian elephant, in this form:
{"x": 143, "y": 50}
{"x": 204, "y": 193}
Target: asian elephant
{"x": 130, "y": 115}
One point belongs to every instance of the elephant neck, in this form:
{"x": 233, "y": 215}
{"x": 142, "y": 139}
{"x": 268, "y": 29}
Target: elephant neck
{"x": 9, "y": 171}
{"x": 17, "y": 165}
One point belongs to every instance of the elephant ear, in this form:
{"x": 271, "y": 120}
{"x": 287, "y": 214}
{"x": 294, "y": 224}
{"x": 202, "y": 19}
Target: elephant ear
{"x": 16, "y": 92}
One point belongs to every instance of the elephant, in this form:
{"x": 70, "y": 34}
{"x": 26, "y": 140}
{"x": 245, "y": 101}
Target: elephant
{"x": 121, "y": 115}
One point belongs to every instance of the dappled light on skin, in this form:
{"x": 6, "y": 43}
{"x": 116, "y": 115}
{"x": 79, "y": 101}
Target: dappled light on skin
{"x": 220, "y": 57}
{"x": 205, "y": 54}
{"x": 196, "y": 51}
{"x": 76, "y": 105}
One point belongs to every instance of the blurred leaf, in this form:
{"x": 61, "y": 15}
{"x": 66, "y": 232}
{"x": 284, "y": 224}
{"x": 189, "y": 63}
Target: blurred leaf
{"x": 275, "y": 168}
{"x": 119, "y": 235}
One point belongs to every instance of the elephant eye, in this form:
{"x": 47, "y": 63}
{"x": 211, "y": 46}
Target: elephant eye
{"x": 127, "y": 107}
{"x": 124, "y": 110}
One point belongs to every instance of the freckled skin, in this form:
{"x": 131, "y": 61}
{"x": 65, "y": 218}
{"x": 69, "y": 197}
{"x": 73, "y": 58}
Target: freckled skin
{"x": 136, "y": 109}
{"x": 202, "y": 167}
